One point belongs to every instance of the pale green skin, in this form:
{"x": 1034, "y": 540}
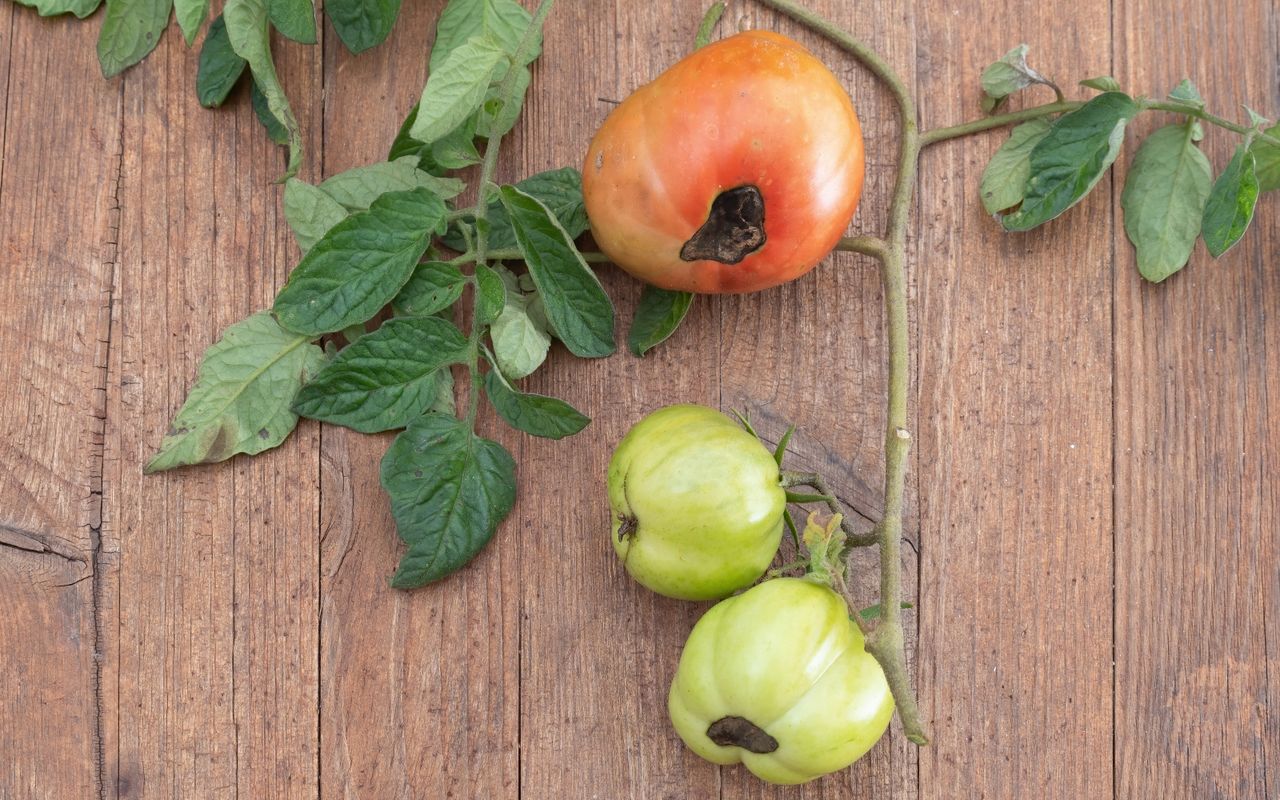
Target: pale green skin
{"x": 707, "y": 499}
{"x": 785, "y": 656}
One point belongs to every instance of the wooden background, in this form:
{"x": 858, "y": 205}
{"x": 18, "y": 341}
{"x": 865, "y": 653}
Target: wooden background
{"x": 1094, "y": 511}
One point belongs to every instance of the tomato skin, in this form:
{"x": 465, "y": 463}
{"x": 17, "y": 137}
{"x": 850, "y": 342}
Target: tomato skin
{"x": 697, "y": 503}
{"x": 785, "y": 656}
{"x": 753, "y": 109}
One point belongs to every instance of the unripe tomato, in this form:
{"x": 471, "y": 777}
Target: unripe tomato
{"x": 778, "y": 678}
{"x": 697, "y": 503}
{"x": 737, "y": 169}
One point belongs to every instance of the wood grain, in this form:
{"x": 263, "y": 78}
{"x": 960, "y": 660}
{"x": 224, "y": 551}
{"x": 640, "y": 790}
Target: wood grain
{"x": 1015, "y": 444}
{"x": 229, "y": 632}
{"x": 213, "y": 641}
{"x": 1197, "y": 366}
{"x": 57, "y": 233}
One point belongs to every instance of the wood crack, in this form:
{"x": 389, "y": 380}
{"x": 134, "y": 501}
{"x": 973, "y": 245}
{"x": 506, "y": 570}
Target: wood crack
{"x": 31, "y": 541}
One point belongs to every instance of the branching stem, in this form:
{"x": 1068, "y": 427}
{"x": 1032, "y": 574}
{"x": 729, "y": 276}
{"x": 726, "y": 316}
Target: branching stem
{"x": 815, "y": 481}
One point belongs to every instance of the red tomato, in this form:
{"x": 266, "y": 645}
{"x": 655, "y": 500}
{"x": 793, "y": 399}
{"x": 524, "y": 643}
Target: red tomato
{"x": 739, "y": 168}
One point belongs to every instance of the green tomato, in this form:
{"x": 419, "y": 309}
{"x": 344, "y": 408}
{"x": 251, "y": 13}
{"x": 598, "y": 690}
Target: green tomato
{"x": 778, "y": 678}
{"x": 697, "y": 503}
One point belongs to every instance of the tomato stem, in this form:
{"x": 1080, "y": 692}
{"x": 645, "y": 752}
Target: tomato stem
{"x": 816, "y": 481}
{"x": 708, "y": 26}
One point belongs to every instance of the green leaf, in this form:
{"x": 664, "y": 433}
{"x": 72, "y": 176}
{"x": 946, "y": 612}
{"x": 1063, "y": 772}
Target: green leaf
{"x": 560, "y": 190}
{"x": 457, "y": 89}
{"x": 310, "y": 212}
{"x": 1186, "y": 92}
{"x": 360, "y": 264}
{"x": 51, "y": 8}
{"x": 276, "y": 131}
{"x": 358, "y": 188}
{"x": 1071, "y": 159}
{"x": 130, "y": 30}
{"x": 1256, "y": 120}
{"x": 519, "y": 334}
{"x": 353, "y": 333}
{"x": 502, "y": 22}
{"x": 240, "y": 401}
{"x": 220, "y": 67}
{"x": 385, "y": 378}
{"x": 1103, "y": 83}
{"x": 362, "y": 24}
{"x": 580, "y": 312}
{"x": 296, "y": 19}
{"x": 1011, "y": 74}
{"x": 1267, "y": 161}
{"x": 780, "y": 451}
{"x": 502, "y": 108}
{"x": 455, "y": 151}
{"x": 191, "y": 15}
{"x": 449, "y": 491}
{"x": 491, "y": 295}
{"x": 443, "y": 402}
{"x": 1005, "y": 178}
{"x": 1229, "y": 210}
{"x": 1164, "y": 198}
{"x": 250, "y": 36}
{"x": 433, "y": 287}
{"x": 535, "y": 414}
{"x": 659, "y": 314}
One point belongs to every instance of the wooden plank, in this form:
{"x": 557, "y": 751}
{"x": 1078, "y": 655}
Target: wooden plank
{"x": 1198, "y": 443}
{"x": 419, "y": 697}
{"x": 57, "y": 182}
{"x": 813, "y": 352}
{"x": 1015, "y": 442}
{"x": 213, "y": 641}
{"x": 597, "y": 650}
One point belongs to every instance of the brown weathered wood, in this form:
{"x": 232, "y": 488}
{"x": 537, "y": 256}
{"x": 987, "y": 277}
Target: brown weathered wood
{"x": 1015, "y": 442}
{"x": 57, "y": 184}
{"x": 1197, "y": 366}
{"x": 213, "y": 645}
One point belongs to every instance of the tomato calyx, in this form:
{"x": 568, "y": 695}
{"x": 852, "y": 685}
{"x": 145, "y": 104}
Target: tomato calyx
{"x": 734, "y": 228}
{"x": 741, "y": 732}
{"x": 628, "y": 526}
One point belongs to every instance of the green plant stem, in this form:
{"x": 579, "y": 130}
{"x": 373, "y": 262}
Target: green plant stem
{"x": 886, "y": 641}
{"x": 872, "y": 246}
{"x": 815, "y": 481}
{"x": 1190, "y": 110}
{"x": 488, "y": 167}
{"x": 996, "y": 121}
{"x": 708, "y": 26}
{"x": 590, "y": 256}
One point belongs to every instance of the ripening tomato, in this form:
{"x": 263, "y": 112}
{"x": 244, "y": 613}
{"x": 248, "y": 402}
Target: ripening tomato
{"x": 697, "y": 503}
{"x": 778, "y": 678}
{"x": 737, "y": 169}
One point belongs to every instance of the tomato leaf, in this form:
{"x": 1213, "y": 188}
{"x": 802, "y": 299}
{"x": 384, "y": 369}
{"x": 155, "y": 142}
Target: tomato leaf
{"x": 1010, "y": 74}
{"x": 296, "y": 19}
{"x": 362, "y": 24}
{"x": 491, "y": 294}
{"x": 1267, "y": 161}
{"x": 1229, "y": 210}
{"x": 433, "y": 287}
{"x": 457, "y": 89}
{"x": 1004, "y": 181}
{"x": 502, "y": 105}
{"x": 240, "y": 401}
{"x": 250, "y": 37}
{"x": 276, "y": 130}
{"x": 1071, "y": 158}
{"x": 1186, "y": 92}
{"x": 1164, "y": 198}
{"x": 560, "y": 190}
{"x": 191, "y": 15}
{"x": 310, "y": 212}
{"x": 519, "y": 334}
{"x": 220, "y": 66}
{"x": 386, "y": 378}
{"x": 658, "y": 315}
{"x": 580, "y": 312}
{"x": 51, "y": 8}
{"x": 357, "y": 188}
{"x": 449, "y": 491}
{"x": 360, "y": 264}
{"x": 130, "y": 30}
{"x": 535, "y": 414}
{"x": 1103, "y": 83}
{"x": 502, "y": 22}
{"x": 780, "y": 452}
{"x": 457, "y": 150}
